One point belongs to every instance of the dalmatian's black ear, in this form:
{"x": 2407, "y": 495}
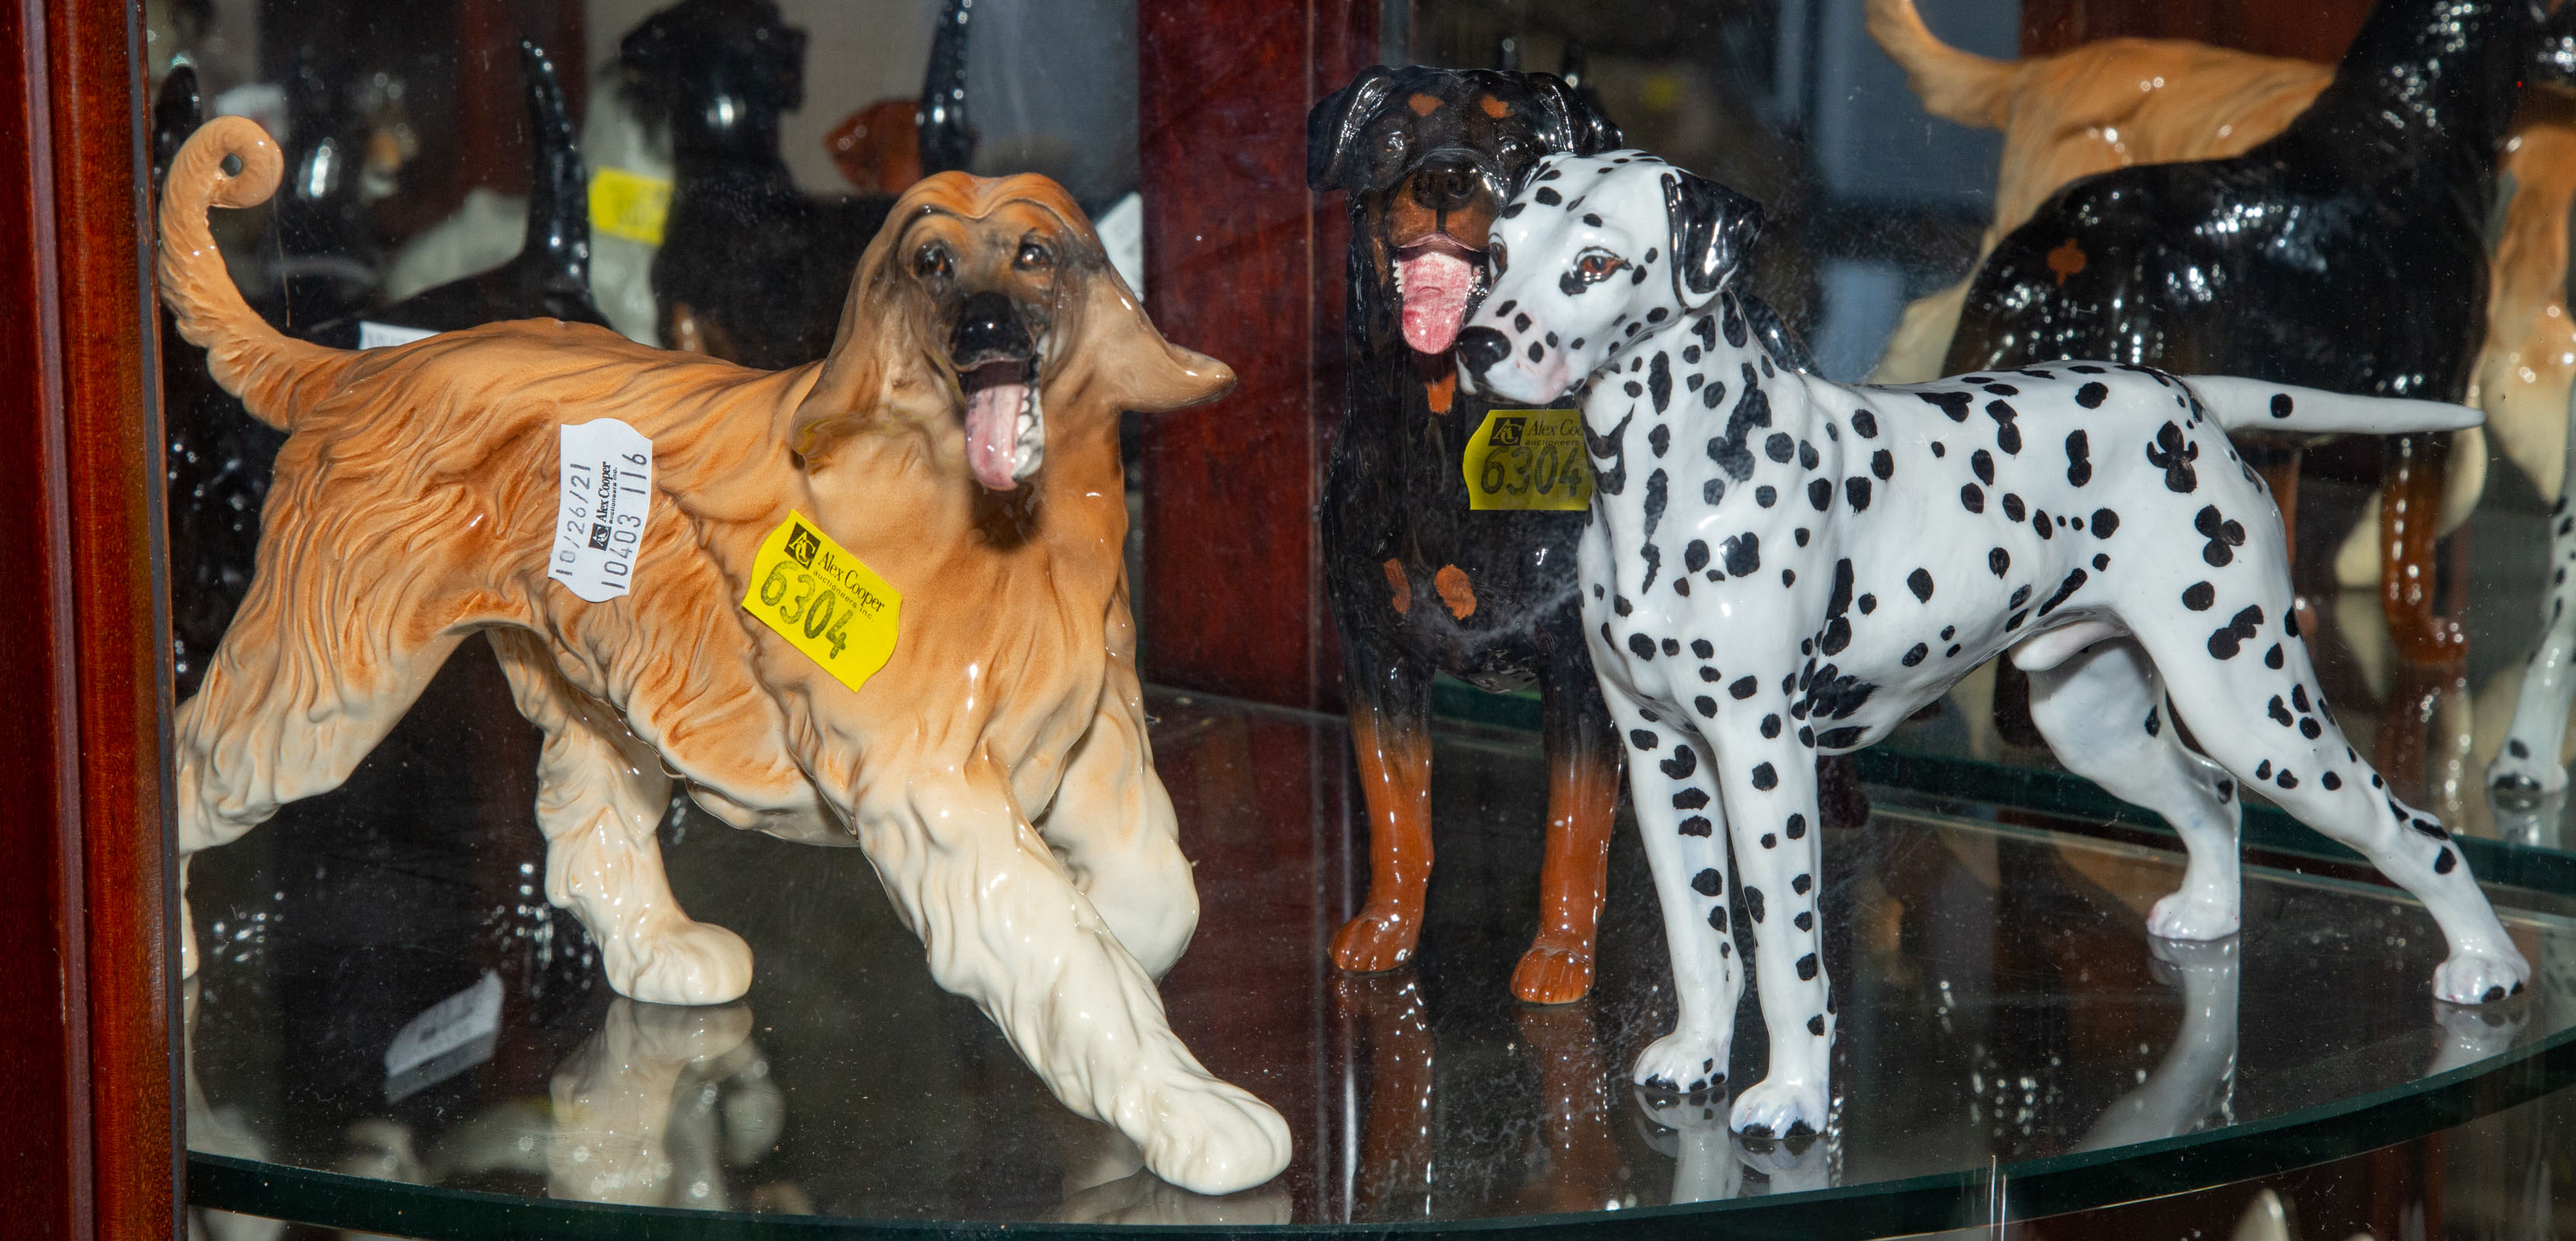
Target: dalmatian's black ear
{"x": 1333, "y": 129}
{"x": 1713, "y": 229}
{"x": 1576, "y": 124}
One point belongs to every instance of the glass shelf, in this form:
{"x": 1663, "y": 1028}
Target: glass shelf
{"x": 2002, "y": 1009}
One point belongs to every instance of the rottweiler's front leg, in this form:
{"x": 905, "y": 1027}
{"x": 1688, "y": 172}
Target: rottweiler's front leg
{"x": 1391, "y": 735}
{"x": 1582, "y": 796}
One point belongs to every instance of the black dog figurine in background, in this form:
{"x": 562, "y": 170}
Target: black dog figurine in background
{"x": 753, "y": 269}
{"x": 2348, "y": 254}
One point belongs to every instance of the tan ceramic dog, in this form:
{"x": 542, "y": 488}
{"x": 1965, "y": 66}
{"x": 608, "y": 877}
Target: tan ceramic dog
{"x": 2117, "y": 102}
{"x": 995, "y": 770}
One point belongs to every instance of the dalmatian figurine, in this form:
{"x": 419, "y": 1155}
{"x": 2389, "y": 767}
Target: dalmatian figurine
{"x": 1779, "y": 565}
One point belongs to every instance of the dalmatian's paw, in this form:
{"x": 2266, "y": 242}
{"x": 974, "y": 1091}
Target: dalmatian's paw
{"x": 1201, "y": 1134}
{"x": 1683, "y": 1062}
{"x": 1552, "y": 975}
{"x": 2193, "y": 917}
{"x": 2517, "y": 783}
{"x": 1778, "y": 1109}
{"x": 683, "y": 963}
{"x": 1376, "y": 941}
{"x": 2481, "y": 977}
{"x": 1793, "y": 1166}
{"x": 2473, "y": 1034}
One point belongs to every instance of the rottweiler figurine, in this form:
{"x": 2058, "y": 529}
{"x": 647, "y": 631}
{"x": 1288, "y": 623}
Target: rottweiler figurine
{"x": 1421, "y": 584}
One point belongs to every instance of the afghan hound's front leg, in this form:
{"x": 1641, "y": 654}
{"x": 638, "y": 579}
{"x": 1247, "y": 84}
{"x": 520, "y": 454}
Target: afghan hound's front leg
{"x": 1006, "y": 927}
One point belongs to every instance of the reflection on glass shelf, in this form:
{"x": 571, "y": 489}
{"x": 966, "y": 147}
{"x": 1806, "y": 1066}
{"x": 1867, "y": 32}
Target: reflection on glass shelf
{"x": 2000, "y": 1000}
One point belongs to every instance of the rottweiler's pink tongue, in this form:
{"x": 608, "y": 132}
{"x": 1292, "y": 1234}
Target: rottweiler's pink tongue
{"x": 992, "y": 431}
{"x": 1436, "y": 285}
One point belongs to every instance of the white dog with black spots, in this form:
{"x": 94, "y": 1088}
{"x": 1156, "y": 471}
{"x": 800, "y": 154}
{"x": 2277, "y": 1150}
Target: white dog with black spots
{"x": 1779, "y": 565}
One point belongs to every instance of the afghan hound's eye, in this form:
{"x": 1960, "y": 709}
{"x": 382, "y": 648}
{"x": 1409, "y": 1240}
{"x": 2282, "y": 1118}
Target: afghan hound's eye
{"x": 1595, "y": 266}
{"x": 1033, "y": 257}
{"x": 930, "y": 261}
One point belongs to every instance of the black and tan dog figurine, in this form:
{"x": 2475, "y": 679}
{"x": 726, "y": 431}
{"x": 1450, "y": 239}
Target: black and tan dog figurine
{"x": 1421, "y": 583}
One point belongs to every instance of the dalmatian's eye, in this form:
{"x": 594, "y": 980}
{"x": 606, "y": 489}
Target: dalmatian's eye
{"x": 931, "y": 261}
{"x": 1033, "y": 257}
{"x": 1595, "y": 266}
{"x": 1501, "y": 255}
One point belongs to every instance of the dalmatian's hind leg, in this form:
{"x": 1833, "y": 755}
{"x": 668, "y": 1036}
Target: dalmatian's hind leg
{"x": 2104, "y": 714}
{"x": 2238, "y": 673}
{"x": 2528, "y": 769}
{"x": 1670, "y": 777}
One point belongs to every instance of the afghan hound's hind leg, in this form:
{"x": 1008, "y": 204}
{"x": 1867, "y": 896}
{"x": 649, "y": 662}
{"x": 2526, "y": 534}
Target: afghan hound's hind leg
{"x": 288, "y": 708}
{"x": 601, "y": 795}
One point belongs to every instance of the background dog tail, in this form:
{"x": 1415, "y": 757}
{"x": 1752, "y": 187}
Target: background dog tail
{"x": 249, "y": 358}
{"x": 2253, "y": 405}
{"x": 1954, "y": 85}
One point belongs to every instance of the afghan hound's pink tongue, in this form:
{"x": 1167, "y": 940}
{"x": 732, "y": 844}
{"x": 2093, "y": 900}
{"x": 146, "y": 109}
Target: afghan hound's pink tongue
{"x": 992, "y": 433}
{"x": 1436, "y": 284}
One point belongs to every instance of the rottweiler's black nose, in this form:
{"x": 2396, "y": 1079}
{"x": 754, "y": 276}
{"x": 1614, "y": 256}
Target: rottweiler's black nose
{"x": 1446, "y": 185}
{"x": 988, "y": 328}
{"x": 1479, "y": 348}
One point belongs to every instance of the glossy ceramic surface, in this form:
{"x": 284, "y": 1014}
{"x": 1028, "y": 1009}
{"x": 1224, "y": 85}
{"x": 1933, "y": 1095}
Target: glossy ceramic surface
{"x": 2001, "y": 1006}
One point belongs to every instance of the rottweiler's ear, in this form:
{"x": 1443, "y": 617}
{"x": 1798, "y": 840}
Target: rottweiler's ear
{"x": 1333, "y": 128}
{"x": 1576, "y": 125}
{"x": 1713, "y": 230}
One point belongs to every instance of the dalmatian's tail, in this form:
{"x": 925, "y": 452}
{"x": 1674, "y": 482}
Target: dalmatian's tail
{"x": 249, "y": 358}
{"x": 2253, "y": 405}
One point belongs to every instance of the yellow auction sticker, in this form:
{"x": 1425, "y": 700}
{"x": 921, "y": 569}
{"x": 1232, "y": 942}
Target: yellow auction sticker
{"x": 1528, "y": 459}
{"x": 629, "y": 205}
{"x": 817, "y": 595}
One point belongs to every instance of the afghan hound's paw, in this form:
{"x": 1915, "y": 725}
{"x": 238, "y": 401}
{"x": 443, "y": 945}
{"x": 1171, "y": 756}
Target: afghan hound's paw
{"x": 1683, "y": 1062}
{"x": 2194, "y": 917}
{"x": 688, "y": 963}
{"x": 2481, "y": 977}
{"x": 1780, "y": 1109}
{"x": 1376, "y": 941}
{"x": 1549, "y": 975}
{"x": 1202, "y": 1134}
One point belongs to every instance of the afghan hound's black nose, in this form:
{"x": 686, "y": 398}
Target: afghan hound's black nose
{"x": 988, "y": 327}
{"x": 1478, "y": 348}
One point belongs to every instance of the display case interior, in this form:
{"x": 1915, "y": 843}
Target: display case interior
{"x": 1353, "y": 665}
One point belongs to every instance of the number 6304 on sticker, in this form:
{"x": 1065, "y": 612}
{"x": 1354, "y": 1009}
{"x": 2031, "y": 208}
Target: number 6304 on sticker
{"x": 814, "y": 593}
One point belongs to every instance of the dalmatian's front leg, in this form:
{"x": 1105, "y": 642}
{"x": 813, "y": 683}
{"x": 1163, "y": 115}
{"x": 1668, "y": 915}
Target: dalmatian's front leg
{"x": 1768, "y": 758}
{"x": 1669, "y": 777}
{"x": 2528, "y": 769}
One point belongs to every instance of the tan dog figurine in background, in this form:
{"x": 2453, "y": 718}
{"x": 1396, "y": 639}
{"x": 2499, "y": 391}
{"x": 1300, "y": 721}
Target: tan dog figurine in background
{"x": 2117, "y": 102}
{"x": 959, "y": 443}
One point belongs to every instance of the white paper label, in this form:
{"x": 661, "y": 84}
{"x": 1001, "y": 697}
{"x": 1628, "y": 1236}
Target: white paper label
{"x": 599, "y": 521}
{"x": 379, "y": 335}
{"x": 454, "y": 1035}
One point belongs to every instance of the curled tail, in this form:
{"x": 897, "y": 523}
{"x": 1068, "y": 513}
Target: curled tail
{"x": 2253, "y": 405}
{"x": 249, "y": 358}
{"x": 1953, "y": 85}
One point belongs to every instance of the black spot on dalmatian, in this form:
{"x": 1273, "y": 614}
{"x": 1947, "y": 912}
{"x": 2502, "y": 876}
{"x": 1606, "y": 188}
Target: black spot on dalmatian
{"x": 1672, "y": 646}
{"x": 2007, "y": 433}
{"x": 1537, "y": 354}
{"x": 1856, "y": 492}
{"x": 1683, "y": 762}
{"x": 1744, "y": 687}
{"x": 1741, "y": 554}
{"x": 2332, "y": 781}
{"x": 1731, "y": 321}
{"x": 1690, "y": 799}
{"x": 1920, "y": 583}
{"x": 1547, "y": 196}
{"x": 2222, "y": 535}
{"x": 1820, "y": 493}
{"x": 1694, "y": 559}
{"x": 1807, "y": 968}
{"x": 1612, "y": 479}
{"x": 1705, "y": 705}
{"x": 1765, "y": 495}
{"x": 2280, "y": 714}
{"x": 2104, "y": 522}
{"x": 1706, "y": 330}
{"x": 1983, "y": 463}
{"x": 1701, "y": 648}
{"x": 1999, "y": 560}
{"x": 1955, "y": 404}
{"x": 1717, "y": 917}
{"x": 1971, "y": 499}
{"x": 1807, "y": 457}
{"x": 1806, "y": 921}
{"x": 1816, "y": 1025}
{"x": 2091, "y": 395}
{"x": 1696, "y": 825}
{"x": 1753, "y": 410}
{"x": 2039, "y": 522}
{"x": 2224, "y": 643}
{"x": 2079, "y": 466}
{"x": 1868, "y": 604}
{"x": 1660, "y": 439}
{"x": 2281, "y": 405}
{"x": 2272, "y": 658}
{"x": 1865, "y": 424}
{"x": 2074, "y": 582}
{"x": 1770, "y": 727}
{"x": 1779, "y": 447}
{"x": 2013, "y": 510}
{"x": 1764, "y": 778}
{"x": 2171, "y": 454}
{"x": 2517, "y": 749}
{"x": 1916, "y": 655}
{"x": 1655, "y": 498}
{"x": 1883, "y": 464}
{"x": 1840, "y": 738}
{"x": 2155, "y": 722}
{"x": 1708, "y": 883}
{"x": 1770, "y": 841}
{"x": 1797, "y": 827}
{"x": 1800, "y": 884}
{"x": 2429, "y": 829}
{"x": 2443, "y": 863}
{"x": 2199, "y": 596}
{"x": 1620, "y": 604}
{"x": 1643, "y": 646}
{"x": 1752, "y": 901}
{"x": 1834, "y": 695}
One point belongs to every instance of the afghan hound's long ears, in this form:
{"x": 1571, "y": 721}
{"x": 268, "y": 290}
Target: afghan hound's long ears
{"x": 249, "y": 358}
{"x": 1113, "y": 357}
